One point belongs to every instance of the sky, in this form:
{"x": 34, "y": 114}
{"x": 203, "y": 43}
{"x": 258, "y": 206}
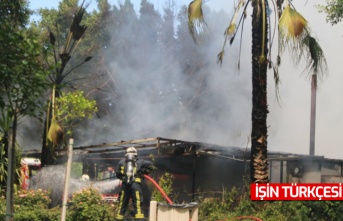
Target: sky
{"x": 289, "y": 119}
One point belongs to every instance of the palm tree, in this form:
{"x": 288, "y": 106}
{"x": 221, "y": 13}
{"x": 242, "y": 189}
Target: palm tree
{"x": 293, "y": 31}
{"x": 52, "y": 131}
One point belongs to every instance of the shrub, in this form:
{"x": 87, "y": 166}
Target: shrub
{"x": 87, "y": 204}
{"x": 38, "y": 215}
{"x": 235, "y": 204}
{"x": 31, "y": 205}
{"x": 165, "y": 182}
{"x": 30, "y": 199}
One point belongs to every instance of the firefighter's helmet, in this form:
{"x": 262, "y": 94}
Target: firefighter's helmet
{"x": 131, "y": 150}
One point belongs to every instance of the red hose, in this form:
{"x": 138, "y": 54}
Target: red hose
{"x": 159, "y": 188}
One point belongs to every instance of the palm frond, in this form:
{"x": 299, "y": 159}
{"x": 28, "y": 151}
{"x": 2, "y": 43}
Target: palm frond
{"x": 292, "y": 28}
{"x": 264, "y": 27}
{"x": 76, "y": 30}
{"x": 5, "y": 120}
{"x": 294, "y": 32}
{"x": 231, "y": 30}
{"x": 220, "y": 57}
{"x": 196, "y": 22}
{"x": 276, "y": 81}
{"x": 315, "y": 58}
{"x": 272, "y": 36}
{"x": 56, "y": 133}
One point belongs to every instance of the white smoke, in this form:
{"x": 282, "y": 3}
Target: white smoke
{"x": 224, "y": 113}
{"x": 156, "y": 98}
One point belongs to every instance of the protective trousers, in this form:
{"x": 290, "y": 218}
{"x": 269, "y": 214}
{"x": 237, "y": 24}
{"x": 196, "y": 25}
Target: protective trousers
{"x": 134, "y": 192}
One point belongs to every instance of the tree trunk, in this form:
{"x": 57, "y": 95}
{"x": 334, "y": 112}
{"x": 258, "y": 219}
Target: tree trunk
{"x": 47, "y": 156}
{"x": 10, "y": 171}
{"x": 258, "y": 163}
{"x": 313, "y": 114}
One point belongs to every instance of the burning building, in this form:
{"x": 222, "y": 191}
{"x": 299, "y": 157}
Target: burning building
{"x": 196, "y": 167}
{"x": 202, "y": 168}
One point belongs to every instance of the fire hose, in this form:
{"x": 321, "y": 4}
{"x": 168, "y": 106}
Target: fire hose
{"x": 170, "y": 202}
{"x": 159, "y": 189}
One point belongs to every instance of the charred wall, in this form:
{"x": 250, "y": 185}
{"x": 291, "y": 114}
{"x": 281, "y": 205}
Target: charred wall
{"x": 193, "y": 174}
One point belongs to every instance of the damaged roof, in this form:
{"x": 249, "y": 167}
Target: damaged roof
{"x": 174, "y": 147}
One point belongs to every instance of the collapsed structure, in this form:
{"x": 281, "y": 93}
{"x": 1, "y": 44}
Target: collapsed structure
{"x": 202, "y": 168}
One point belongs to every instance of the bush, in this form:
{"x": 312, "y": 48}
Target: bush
{"x": 38, "y": 215}
{"x": 87, "y": 204}
{"x": 234, "y": 204}
{"x": 165, "y": 182}
{"x": 31, "y": 205}
{"x": 30, "y": 199}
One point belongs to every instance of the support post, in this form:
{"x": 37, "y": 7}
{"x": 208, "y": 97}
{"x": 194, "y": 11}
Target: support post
{"x": 153, "y": 211}
{"x": 66, "y": 181}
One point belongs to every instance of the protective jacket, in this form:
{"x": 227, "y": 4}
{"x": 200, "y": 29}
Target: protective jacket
{"x": 132, "y": 190}
{"x": 141, "y": 167}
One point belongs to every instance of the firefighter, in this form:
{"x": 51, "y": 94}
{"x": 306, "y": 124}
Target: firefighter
{"x": 131, "y": 170}
{"x": 111, "y": 172}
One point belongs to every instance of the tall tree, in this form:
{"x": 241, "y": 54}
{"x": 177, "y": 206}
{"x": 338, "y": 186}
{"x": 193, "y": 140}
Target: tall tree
{"x": 91, "y": 77}
{"x": 168, "y": 33}
{"x": 292, "y": 31}
{"x": 333, "y": 10}
{"x": 147, "y": 40}
{"x": 22, "y": 81}
{"x": 65, "y": 29}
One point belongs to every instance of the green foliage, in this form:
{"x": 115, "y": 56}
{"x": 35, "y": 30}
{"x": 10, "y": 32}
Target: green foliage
{"x": 31, "y": 205}
{"x": 237, "y": 203}
{"x": 87, "y": 205}
{"x": 30, "y": 199}
{"x": 214, "y": 208}
{"x": 165, "y": 182}
{"x": 39, "y": 215}
{"x": 72, "y": 107}
{"x": 333, "y": 10}
{"x": 14, "y": 13}
{"x": 2, "y": 206}
{"x": 23, "y": 79}
{"x": 3, "y": 167}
